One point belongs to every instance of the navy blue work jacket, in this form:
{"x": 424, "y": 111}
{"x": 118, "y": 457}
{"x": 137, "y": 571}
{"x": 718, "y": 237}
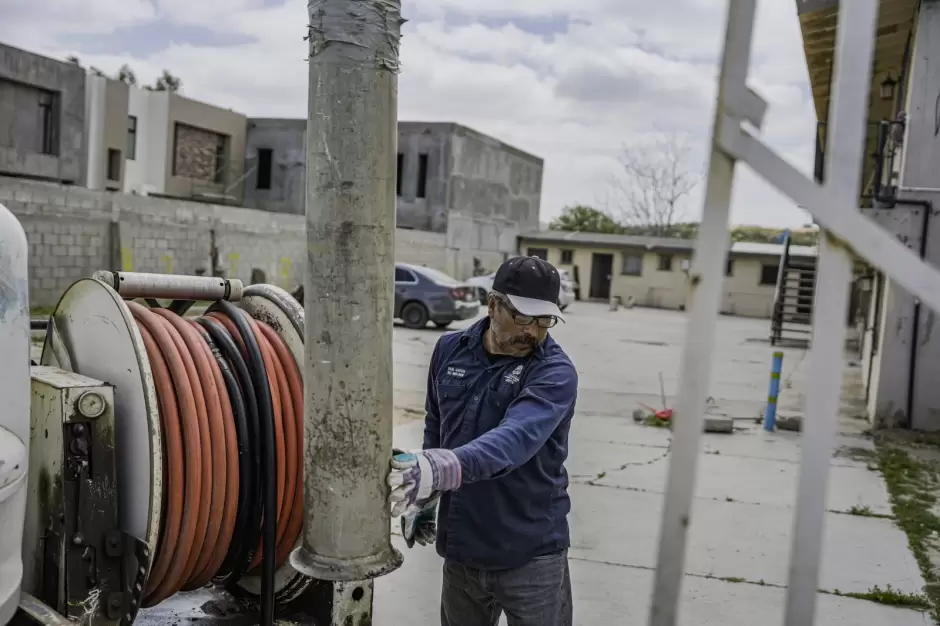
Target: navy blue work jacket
{"x": 507, "y": 419}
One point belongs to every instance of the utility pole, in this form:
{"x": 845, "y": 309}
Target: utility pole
{"x": 352, "y": 137}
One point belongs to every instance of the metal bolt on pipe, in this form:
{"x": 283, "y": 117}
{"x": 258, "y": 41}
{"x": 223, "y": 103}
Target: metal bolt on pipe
{"x": 350, "y": 208}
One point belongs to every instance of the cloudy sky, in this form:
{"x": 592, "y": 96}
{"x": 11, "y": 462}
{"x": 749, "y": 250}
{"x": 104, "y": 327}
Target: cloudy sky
{"x": 570, "y": 80}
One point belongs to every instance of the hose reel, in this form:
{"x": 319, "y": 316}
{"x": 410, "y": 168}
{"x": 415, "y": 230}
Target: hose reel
{"x": 208, "y": 426}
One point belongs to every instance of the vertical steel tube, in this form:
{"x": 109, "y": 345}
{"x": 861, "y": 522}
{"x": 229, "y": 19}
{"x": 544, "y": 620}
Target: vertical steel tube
{"x": 350, "y": 206}
{"x": 14, "y": 418}
{"x": 770, "y": 415}
{"x": 855, "y": 38}
{"x": 707, "y": 276}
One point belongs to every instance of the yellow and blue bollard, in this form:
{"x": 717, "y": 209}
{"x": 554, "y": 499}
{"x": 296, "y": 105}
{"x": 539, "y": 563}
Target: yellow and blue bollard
{"x": 770, "y": 415}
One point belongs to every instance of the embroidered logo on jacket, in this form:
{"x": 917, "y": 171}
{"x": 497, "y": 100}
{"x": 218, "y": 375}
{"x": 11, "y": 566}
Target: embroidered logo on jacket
{"x": 456, "y": 372}
{"x": 513, "y": 376}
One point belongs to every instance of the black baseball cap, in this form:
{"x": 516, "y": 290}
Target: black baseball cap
{"x": 531, "y": 285}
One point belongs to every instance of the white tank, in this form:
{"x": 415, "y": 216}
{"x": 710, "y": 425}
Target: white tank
{"x": 14, "y": 407}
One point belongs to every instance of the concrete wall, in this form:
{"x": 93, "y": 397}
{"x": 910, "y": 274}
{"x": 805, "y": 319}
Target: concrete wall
{"x": 23, "y": 78}
{"x": 492, "y": 179}
{"x": 920, "y": 179}
{"x": 286, "y": 138}
{"x": 95, "y": 96}
{"x": 215, "y": 120}
{"x": 117, "y": 99}
{"x": 743, "y": 294}
{"x": 433, "y": 139}
{"x": 887, "y": 339}
{"x": 73, "y": 231}
{"x": 106, "y": 106}
{"x": 652, "y": 288}
{"x": 146, "y": 173}
{"x": 492, "y": 241}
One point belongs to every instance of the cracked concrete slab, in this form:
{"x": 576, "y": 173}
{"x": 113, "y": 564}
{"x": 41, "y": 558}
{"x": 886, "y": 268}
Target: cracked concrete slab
{"x": 745, "y": 479}
{"x": 734, "y": 539}
{"x": 605, "y": 593}
{"x": 615, "y": 526}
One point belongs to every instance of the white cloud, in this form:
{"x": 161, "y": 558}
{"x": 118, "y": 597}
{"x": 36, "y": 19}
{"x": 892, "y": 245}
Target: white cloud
{"x": 620, "y": 69}
{"x": 39, "y": 24}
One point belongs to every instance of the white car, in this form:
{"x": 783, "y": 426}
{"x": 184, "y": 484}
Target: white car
{"x": 565, "y": 297}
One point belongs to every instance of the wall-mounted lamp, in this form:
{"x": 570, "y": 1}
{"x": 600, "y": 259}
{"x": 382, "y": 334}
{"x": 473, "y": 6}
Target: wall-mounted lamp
{"x": 887, "y": 88}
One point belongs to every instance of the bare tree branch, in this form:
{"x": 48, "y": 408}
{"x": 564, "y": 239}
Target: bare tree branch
{"x": 654, "y": 183}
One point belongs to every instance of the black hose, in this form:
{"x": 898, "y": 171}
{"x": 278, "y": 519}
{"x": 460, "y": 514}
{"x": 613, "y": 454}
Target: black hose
{"x": 259, "y": 376}
{"x": 247, "y": 529}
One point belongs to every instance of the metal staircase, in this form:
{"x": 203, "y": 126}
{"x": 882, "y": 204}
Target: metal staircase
{"x": 791, "y": 321}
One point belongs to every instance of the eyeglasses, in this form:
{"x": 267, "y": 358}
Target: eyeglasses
{"x": 546, "y": 321}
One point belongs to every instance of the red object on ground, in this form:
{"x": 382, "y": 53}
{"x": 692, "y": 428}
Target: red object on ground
{"x": 665, "y": 415}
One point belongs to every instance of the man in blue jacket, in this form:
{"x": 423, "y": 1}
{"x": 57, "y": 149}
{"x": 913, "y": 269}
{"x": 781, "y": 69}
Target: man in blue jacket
{"x": 500, "y": 400}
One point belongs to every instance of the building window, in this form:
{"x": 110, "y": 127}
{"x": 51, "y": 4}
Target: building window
{"x": 541, "y": 253}
{"x": 199, "y": 154}
{"x": 131, "y": 137}
{"x": 114, "y": 164}
{"x": 768, "y": 275}
{"x": 221, "y": 143}
{"x": 567, "y": 257}
{"x": 729, "y": 268}
{"x": 665, "y": 262}
{"x": 47, "y": 123}
{"x": 422, "y": 176}
{"x": 265, "y": 165}
{"x": 399, "y": 170}
{"x": 632, "y": 265}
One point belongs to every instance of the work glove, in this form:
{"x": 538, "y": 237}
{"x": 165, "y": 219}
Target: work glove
{"x": 420, "y": 525}
{"x": 417, "y": 476}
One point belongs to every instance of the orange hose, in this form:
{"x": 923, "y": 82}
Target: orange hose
{"x": 200, "y": 448}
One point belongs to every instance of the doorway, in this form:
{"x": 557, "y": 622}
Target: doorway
{"x": 602, "y": 266}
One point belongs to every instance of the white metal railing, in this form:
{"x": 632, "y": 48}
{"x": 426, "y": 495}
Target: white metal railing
{"x": 834, "y": 205}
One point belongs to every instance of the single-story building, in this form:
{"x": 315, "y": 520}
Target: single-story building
{"x": 654, "y": 272}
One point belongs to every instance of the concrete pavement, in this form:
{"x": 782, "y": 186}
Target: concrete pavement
{"x": 736, "y": 567}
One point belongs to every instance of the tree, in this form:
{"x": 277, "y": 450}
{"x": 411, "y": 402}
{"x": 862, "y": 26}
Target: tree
{"x": 168, "y": 82}
{"x": 126, "y": 75}
{"x": 654, "y": 185}
{"x": 761, "y": 234}
{"x": 581, "y": 218}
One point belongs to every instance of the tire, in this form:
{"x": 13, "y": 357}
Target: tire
{"x": 442, "y": 325}
{"x": 483, "y": 296}
{"x": 414, "y": 315}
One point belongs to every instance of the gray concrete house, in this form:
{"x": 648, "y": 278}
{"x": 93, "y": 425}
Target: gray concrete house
{"x": 42, "y": 117}
{"x": 442, "y": 168}
{"x": 109, "y": 132}
{"x": 184, "y": 148}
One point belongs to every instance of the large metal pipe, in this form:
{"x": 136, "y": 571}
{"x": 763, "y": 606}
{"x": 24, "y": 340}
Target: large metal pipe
{"x": 348, "y": 284}
{"x": 14, "y": 418}
{"x": 171, "y": 286}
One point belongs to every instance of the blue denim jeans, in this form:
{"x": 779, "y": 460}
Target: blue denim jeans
{"x": 536, "y": 594}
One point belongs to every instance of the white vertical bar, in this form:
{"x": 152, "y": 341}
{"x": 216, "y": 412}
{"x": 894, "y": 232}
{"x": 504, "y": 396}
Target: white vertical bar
{"x": 707, "y": 276}
{"x": 844, "y": 150}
